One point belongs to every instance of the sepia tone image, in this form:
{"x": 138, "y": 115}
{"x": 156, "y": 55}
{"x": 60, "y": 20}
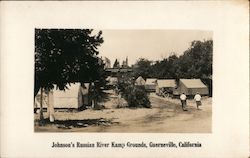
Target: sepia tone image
{"x": 123, "y": 81}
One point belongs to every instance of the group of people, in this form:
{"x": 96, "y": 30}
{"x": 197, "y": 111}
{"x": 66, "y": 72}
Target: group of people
{"x": 183, "y": 99}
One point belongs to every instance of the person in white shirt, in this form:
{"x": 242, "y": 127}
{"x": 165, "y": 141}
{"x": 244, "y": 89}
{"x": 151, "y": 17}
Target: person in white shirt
{"x": 183, "y": 99}
{"x": 197, "y": 98}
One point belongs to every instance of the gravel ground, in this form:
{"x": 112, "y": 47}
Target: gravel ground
{"x": 165, "y": 116}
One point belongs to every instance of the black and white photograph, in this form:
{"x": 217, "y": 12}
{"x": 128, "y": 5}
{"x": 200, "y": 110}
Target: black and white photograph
{"x": 147, "y": 81}
{"x": 124, "y": 79}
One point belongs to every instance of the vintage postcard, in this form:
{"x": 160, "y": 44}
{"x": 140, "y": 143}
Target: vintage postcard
{"x": 124, "y": 79}
{"x": 111, "y": 82}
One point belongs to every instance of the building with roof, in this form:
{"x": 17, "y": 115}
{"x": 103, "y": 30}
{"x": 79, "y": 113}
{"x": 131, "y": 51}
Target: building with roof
{"x": 165, "y": 86}
{"x": 192, "y": 86}
{"x": 150, "y": 84}
{"x": 114, "y": 72}
{"x": 118, "y": 70}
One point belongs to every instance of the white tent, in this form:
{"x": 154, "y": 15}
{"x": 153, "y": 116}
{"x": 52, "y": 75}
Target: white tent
{"x": 38, "y": 100}
{"x": 192, "y": 86}
{"x": 140, "y": 81}
{"x": 150, "y": 84}
{"x": 165, "y": 85}
{"x": 73, "y": 97}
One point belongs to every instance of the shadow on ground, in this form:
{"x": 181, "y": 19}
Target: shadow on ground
{"x": 69, "y": 124}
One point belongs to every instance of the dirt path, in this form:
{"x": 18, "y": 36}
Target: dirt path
{"x": 165, "y": 116}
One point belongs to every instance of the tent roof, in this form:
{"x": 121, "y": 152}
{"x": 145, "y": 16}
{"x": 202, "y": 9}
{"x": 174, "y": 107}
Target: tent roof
{"x": 151, "y": 80}
{"x": 193, "y": 83}
{"x": 166, "y": 83}
{"x": 71, "y": 92}
{"x": 140, "y": 81}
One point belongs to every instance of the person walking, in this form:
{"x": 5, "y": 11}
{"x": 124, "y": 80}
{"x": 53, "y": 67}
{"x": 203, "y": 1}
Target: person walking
{"x": 197, "y": 98}
{"x": 183, "y": 99}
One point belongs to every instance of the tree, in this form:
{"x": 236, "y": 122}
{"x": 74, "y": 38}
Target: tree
{"x": 166, "y": 68}
{"x": 136, "y": 96}
{"x": 64, "y": 56}
{"x": 196, "y": 62}
{"x": 142, "y": 68}
{"x": 116, "y": 64}
{"x": 173, "y": 66}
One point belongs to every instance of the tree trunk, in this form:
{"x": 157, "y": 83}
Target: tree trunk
{"x": 36, "y": 88}
{"x": 93, "y": 95}
{"x": 50, "y": 108}
{"x": 41, "y": 106}
{"x": 95, "y": 105}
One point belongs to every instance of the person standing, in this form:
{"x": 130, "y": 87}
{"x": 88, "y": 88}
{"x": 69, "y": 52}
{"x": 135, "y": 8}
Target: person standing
{"x": 197, "y": 98}
{"x": 183, "y": 99}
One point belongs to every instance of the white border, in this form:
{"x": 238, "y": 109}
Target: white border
{"x": 229, "y": 22}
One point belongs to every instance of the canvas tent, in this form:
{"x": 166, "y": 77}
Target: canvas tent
{"x": 74, "y": 97}
{"x": 38, "y": 100}
{"x": 192, "y": 86}
{"x": 140, "y": 81}
{"x": 150, "y": 84}
{"x": 165, "y": 86}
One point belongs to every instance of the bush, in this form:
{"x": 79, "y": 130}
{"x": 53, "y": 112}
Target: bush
{"x": 136, "y": 96}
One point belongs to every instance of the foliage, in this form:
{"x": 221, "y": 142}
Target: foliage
{"x": 136, "y": 96}
{"x": 167, "y": 68}
{"x": 142, "y": 68}
{"x": 116, "y": 64}
{"x": 196, "y": 62}
{"x": 64, "y": 56}
{"x": 124, "y": 81}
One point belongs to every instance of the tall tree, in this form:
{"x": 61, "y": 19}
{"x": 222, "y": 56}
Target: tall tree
{"x": 116, "y": 64}
{"x": 196, "y": 62}
{"x": 64, "y": 56}
{"x": 143, "y": 68}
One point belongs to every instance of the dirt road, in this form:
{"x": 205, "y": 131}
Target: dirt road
{"x": 165, "y": 116}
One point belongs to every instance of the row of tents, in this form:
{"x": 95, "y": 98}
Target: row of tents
{"x": 77, "y": 95}
{"x": 170, "y": 86}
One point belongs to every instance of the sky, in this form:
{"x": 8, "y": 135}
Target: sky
{"x": 150, "y": 44}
